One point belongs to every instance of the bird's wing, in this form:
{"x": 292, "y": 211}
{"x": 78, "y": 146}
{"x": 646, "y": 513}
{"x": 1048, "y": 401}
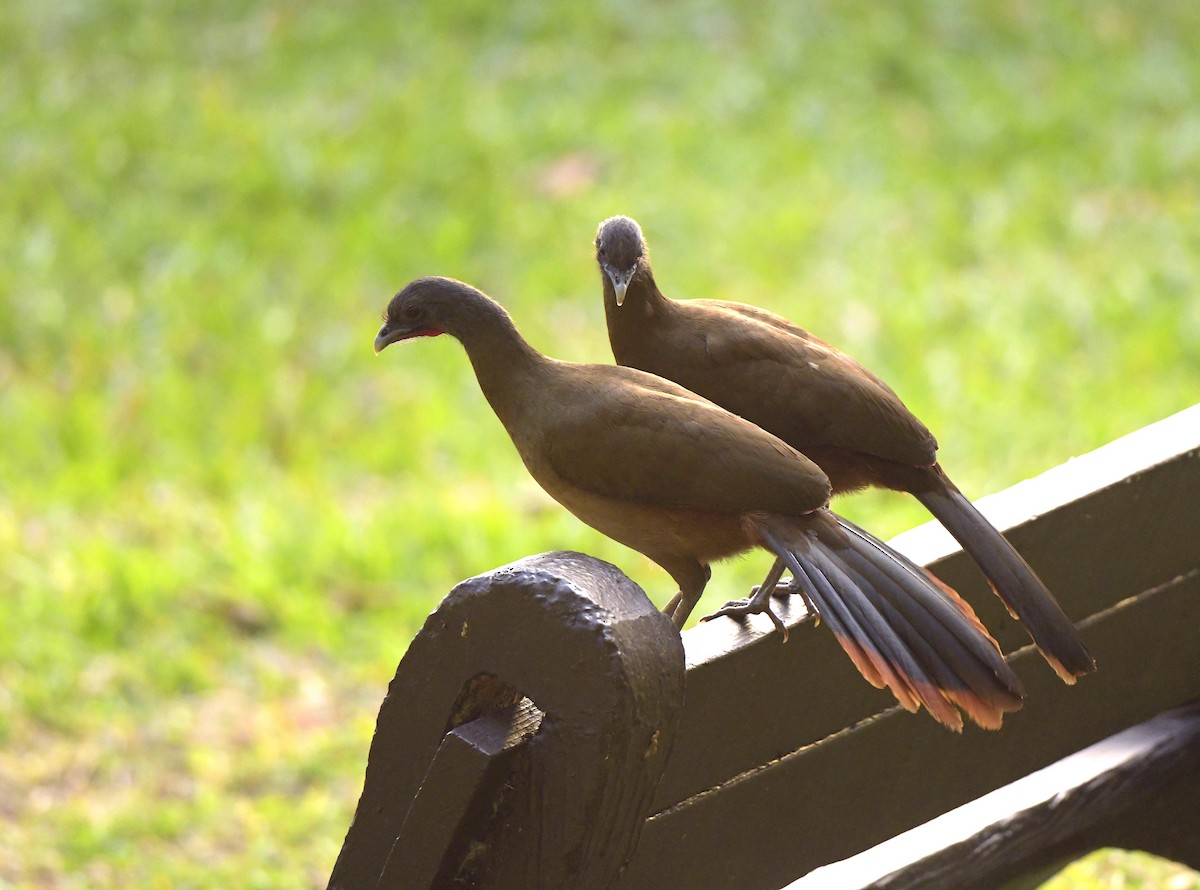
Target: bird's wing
{"x": 797, "y": 380}
{"x": 628, "y": 435}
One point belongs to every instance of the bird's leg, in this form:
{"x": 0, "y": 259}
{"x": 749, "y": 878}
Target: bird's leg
{"x": 681, "y": 606}
{"x": 770, "y": 583}
{"x": 679, "y": 617}
{"x": 758, "y": 603}
{"x": 692, "y": 578}
{"x": 779, "y": 588}
{"x": 670, "y": 607}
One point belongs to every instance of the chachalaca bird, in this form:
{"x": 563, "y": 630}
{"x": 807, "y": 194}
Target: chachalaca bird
{"x": 821, "y": 402}
{"x": 685, "y": 482}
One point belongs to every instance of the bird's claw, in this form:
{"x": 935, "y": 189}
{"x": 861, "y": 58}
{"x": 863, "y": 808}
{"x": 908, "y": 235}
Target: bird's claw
{"x": 750, "y": 606}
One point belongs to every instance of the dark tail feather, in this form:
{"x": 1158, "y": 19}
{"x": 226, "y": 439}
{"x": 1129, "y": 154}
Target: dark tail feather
{"x": 899, "y": 628}
{"x": 927, "y": 609}
{"x": 858, "y": 620}
{"x": 1022, "y": 592}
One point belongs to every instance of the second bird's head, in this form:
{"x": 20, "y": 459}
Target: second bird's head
{"x": 621, "y": 252}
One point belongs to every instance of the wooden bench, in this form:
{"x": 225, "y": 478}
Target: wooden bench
{"x": 537, "y": 732}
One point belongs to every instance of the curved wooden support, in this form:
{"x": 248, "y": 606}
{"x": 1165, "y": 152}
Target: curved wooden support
{"x": 523, "y": 735}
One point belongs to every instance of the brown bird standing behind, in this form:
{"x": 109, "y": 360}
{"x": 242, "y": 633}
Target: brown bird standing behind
{"x": 685, "y": 482}
{"x": 821, "y": 402}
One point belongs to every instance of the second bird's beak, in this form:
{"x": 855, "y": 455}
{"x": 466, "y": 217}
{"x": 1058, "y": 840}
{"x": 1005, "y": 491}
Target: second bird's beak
{"x": 620, "y": 279}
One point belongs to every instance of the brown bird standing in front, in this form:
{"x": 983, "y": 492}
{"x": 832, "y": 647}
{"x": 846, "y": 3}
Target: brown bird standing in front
{"x": 821, "y": 402}
{"x": 685, "y": 482}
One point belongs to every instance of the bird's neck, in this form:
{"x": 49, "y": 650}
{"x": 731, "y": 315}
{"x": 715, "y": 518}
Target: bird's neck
{"x": 635, "y": 320}
{"x": 505, "y": 365}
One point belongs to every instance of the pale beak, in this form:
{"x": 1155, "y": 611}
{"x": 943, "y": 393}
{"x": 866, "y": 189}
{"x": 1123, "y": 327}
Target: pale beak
{"x": 620, "y": 280}
{"x": 381, "y": 339}
{"x": 389, "y": 334}
{"x": 392, "y": 333}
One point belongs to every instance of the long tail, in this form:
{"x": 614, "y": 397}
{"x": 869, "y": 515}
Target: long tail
{"x": 900, "y": 629}
{"x": 1023, "y": 593}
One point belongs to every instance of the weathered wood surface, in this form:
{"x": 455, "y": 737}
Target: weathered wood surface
{"x": 1137, "y": 789}
{"x": 786, "y": 760}
{"x": 458, "y": 795}
{"x": 522, "y": 736}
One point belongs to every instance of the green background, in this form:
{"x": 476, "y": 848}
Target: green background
{"x": 222, "y": 518}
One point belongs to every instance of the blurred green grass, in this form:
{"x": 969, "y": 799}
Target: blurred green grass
{"x": 221, "y": 518}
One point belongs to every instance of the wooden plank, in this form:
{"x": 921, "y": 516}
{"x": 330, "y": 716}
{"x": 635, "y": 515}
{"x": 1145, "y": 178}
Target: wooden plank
{"x": 1047, "y": 815}
{"x": 832, "y": 799}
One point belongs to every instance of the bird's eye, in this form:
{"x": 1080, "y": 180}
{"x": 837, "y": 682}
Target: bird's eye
{"x": 412, "y": 312}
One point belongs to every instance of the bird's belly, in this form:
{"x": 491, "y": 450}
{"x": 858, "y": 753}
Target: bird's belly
{"x": 654, "y": 530}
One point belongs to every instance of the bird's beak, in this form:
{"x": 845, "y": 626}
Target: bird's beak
{"x": 388, "y": 335}
{"x": 620, "y": 279}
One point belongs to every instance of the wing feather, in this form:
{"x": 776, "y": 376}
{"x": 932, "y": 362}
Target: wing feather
{"x": 803, "y": 388}
{"x": 637, "y": 437}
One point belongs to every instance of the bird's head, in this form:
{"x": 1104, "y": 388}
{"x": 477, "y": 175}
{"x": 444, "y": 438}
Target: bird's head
{"x": 426, "y": 307}
{"x": 620, "y": 251}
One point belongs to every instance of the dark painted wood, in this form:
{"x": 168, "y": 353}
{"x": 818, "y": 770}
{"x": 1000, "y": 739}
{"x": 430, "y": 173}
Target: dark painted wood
{"x": 1109, "y": 794}
{"x": 566, "y": 806}
{"x": 783, "y": 748}
{"x": 837, "y": 797}
{"x": 455, "y": 802}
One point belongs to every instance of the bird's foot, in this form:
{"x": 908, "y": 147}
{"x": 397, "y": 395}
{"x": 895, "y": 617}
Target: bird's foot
{"x": 783, "y": 589}
{"x": 787, "y": 588}
{"x": 794, "y": 587}
{"x": 752, "y": 605}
